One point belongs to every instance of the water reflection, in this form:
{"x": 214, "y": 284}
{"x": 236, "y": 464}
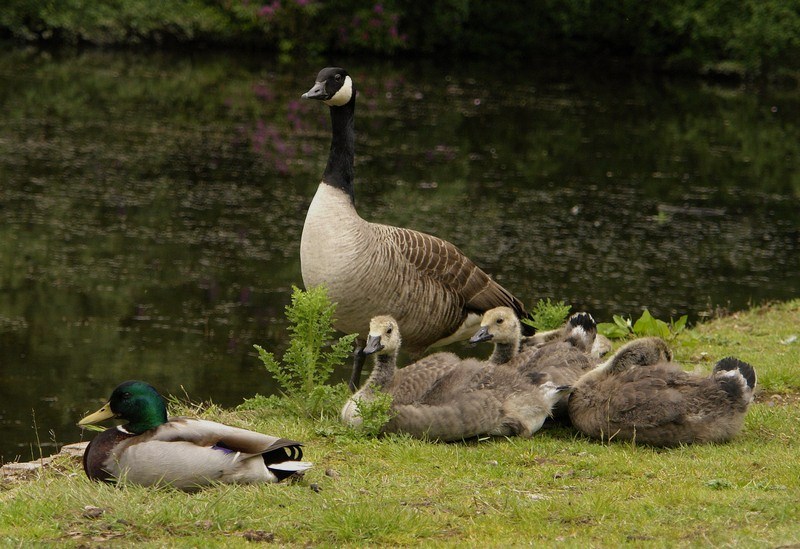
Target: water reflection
{"x": 152, "y": 206}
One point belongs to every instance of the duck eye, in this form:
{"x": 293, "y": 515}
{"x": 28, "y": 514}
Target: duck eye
{"x": 126, "y": 395}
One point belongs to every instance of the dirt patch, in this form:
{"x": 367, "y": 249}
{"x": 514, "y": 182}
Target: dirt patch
{"x": 778, "y": 399}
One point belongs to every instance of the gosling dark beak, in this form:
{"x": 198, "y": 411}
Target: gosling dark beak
{"x": 481, "y": 335}
{"x": 373, "y": 345}
{"x": 317, "y": 92}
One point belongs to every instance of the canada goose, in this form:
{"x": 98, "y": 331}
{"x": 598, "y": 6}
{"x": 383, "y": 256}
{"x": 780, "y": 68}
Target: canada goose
{"x": 435, "y": 292}
{"x": 561, "y": 361}
{"x": 502, "y": 405}
{"x": 640, "y": 395}
{"x": 181, "y": 452}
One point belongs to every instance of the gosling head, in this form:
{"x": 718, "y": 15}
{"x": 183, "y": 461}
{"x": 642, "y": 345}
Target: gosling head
{"x": 644, "y": 351}
{"x": 499, "y": 325}
{"x": 384, "y": 336}
{"x": 333, "y": 86}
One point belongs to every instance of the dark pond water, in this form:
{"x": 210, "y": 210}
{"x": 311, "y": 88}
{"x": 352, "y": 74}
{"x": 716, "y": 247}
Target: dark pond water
{"x": 152, "y": 206}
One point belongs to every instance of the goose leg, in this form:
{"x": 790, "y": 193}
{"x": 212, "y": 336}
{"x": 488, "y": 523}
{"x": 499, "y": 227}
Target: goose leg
{"x": 358, "y": 365}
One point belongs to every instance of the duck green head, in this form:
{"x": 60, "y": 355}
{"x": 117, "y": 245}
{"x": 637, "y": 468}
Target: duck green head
{"x": 136, "y": 402}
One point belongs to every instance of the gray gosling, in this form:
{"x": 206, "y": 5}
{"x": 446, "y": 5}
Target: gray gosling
{"x": 560, "y": 360}
{"x": 452, "y": 408}
{"x": 640, "y": 395}
{"x": 600, "y": 345}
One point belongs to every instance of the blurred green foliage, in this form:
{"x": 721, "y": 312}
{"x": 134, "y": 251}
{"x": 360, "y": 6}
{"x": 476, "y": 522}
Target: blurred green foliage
{"x": 749, "y": 37}
{"x": 646, "y": 325}
{"x": 548, "y": 315}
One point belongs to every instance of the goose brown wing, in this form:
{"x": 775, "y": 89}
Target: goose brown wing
{"x": 210, "y": 433}
{"x": 440, "y": 261}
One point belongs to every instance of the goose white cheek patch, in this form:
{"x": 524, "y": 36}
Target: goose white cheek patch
{"x": 341, "y": 97}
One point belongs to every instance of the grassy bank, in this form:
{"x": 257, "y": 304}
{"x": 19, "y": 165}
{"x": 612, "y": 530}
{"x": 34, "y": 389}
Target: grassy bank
{"x": 556, "y": 487}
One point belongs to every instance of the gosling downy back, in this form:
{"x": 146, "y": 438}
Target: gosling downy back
{"x": 481, "y": 412}
{"x": 432, "y": 289}
{"x": 641, "y": 395}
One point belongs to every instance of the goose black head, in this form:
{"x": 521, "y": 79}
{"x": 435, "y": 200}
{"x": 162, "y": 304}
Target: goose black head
{"x": 334, "y": 87}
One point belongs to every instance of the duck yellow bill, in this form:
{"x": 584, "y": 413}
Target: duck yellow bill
{"x": 101, "y": 414}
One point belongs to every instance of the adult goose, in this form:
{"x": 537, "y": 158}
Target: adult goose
{"x": 435, "y": 292}
{"x": 185, "y": 453}
{"x": 561, "y": 360}
{"x": 457, "y": 408}
{"x": 640, "y": 395}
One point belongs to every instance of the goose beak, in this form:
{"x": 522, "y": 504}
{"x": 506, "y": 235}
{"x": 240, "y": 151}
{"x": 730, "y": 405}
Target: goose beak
{"x": 373, "y": 345}
{"x": 317, "y": 92}
{"x": 481, "y": 335}
{"x": 101, "y": 414}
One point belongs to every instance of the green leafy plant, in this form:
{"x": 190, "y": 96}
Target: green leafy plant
{"x": 646, "y": 325}
{"x": 548, "y": 315}
{"x": 375, "y": 412}
{"x": 309, "y": 361}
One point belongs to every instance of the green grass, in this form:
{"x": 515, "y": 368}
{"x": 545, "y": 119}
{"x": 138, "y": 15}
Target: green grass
{"x": 558, "y": 487}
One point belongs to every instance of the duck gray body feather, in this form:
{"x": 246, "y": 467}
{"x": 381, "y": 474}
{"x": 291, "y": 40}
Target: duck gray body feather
{"x": 152, "y": 449}
{"x": 189, "y": 453}
{"x": 640, "y": 394}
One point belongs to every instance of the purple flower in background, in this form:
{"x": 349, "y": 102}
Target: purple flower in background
{"x": 378, "y": 8}
{"x": 268, "y": 11}
{"x": 262, "y": 92}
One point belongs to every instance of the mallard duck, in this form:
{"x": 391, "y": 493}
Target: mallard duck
{"x": 560, "y": 360}
{"x": 186, "y": 453}
{"x": 640, "y": 395}
{"x": 435, "y": 292}
{"x": 474, "y": 398}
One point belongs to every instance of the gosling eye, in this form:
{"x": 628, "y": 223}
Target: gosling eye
{"x": 499, "y": 320}
{"x": 388, "y": 330}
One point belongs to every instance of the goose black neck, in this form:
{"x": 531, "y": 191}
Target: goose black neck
{"x": 339, "y": 171}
